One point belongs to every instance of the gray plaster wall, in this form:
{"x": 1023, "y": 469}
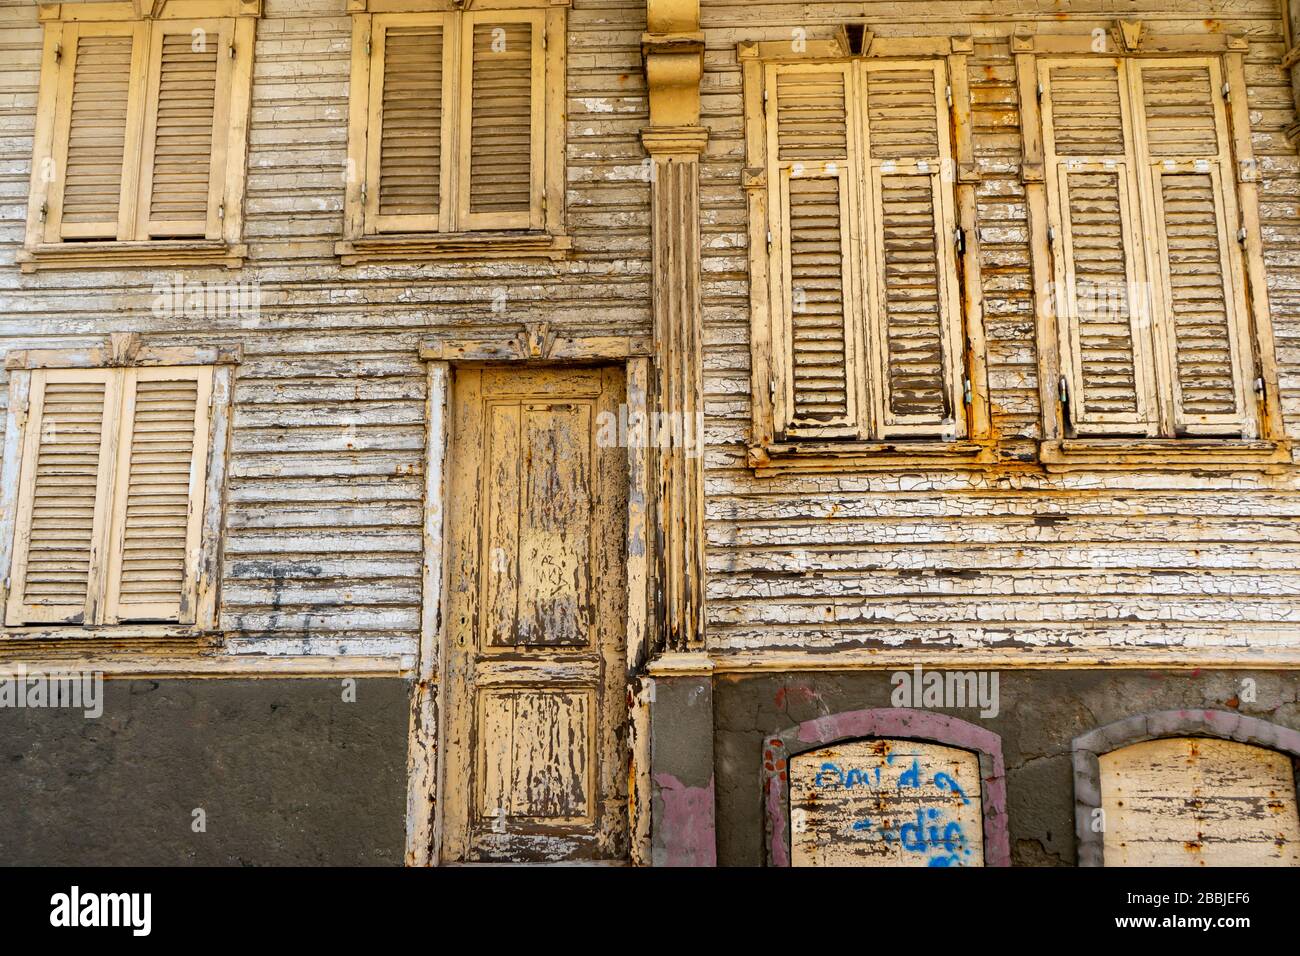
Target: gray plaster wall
{"x": 1040, "y": 714}
{"x": 285, "y": 771}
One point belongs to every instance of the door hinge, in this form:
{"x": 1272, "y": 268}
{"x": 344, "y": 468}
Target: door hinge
{"x": 947, "y": 94}
{"x": 1040, "y": 90}
{"x": 58, "y": 52}
{"x": 959, "y": 240}
{"x": 363, "y": 192}
{"x": 221, "y": 210}
{"x": 45, "y": 210}
{"x": 769, "y": 238}
{"x": 1227, "y": 88}
{"x": 1051, "y": 234}
{"x": 765, "y": 99}
{"x": 232, "y": 51}
{"x": 1259, "y": 385}
{"x": 1241, "y": 234}
{"x": 771, "y": 389}
{"x": 967, "y": 393}
{"x": 1063, "y": 391}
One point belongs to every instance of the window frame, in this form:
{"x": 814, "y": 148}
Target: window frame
{"x": 118, "y": 358}
{"x": 459, "y": 232}
{"x": 1268, "y": 449}
{"x": 770, "y": 450}
{"x": 44, "y": 245}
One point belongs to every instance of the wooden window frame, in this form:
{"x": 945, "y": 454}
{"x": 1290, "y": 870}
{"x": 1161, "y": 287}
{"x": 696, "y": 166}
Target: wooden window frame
{"x": 457, "y": 233}
{"x": 235, "y": 23}
{"x": 1269, "y": 450}
{"x": 771, "y": 452}
{"x": 123, "y": 354}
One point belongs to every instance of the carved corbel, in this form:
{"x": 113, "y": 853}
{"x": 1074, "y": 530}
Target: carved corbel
{"x": 1128, "y": 34}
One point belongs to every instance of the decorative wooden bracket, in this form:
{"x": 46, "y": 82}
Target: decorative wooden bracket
{"x": 854, "y": 39}
{"x": 536, "y": 340}
{"x": 1129, "y": 34}
{"x": 123, "y": 347}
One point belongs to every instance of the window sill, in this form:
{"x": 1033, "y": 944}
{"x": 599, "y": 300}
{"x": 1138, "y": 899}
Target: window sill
{"x": 1191, "y": 454}
{"x": 421, "y": 247}
{"x": 890, "y": 456}
{"x": 74, "y": 641}
{"x": 119, "y": 255}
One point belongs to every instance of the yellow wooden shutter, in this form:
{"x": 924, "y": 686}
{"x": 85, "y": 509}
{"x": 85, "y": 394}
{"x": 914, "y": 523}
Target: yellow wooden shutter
{"x": 91, "y": 131}
{"x": 813, "y": 278}
{"x": 158, "y": 495}
{"x": 183, "y": 146}
{"x": 407, "y": 143}
{"x": 913, "y": 302}
{"x": 502, "y": 120}
{"x": 1201, "y": 304}
{"x": 1100, "y": 275}
{"x": 63, "y": 506}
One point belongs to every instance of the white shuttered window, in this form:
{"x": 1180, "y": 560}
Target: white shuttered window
{"x": 1149, "y": 279}
{"x": 111, "y": 496}
{"x": 864, "y": 281}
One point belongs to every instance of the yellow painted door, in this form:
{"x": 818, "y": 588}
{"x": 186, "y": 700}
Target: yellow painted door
{"x": 536, "y": 759}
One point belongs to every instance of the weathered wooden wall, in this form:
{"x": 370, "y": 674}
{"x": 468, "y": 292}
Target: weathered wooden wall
{"x": 941, "y": 559}
{"x": 323, "y": 544}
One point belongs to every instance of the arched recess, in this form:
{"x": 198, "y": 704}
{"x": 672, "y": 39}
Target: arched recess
{"x": 1118, "y": 799}
{"x": 933, "y": 747}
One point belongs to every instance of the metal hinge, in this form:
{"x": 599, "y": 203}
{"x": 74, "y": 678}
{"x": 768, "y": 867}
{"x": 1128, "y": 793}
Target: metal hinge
{"x": 58, "y": 52}
{"x": 221, "y": 210}
{"x": 1051, "y": 234}
{"x": 771, "y": 389}
{"x": 947, "y": 93}
{"x": 1241, "y": 234}
{"x": 1063, "y": 391}
{"x": 1259, "y": 385}
{"x": 967, "y": 394}
{"x": 959, "y": 240}
{"x": 543, "y": 40}
{"x": 45, "y": 210}
{"x": 363, "y": 193}
{"x": 765, "y": 98}
{"x": 1040, "y": 91}
{"x": 232, "y": 51}
{"x": 367, "y": 46}
{"x": 1227, "y": 88}
{"x": 769, "y": 238}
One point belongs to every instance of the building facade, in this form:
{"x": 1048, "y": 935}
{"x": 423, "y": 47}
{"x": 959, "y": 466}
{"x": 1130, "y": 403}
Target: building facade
{"x": 677, "y": 432}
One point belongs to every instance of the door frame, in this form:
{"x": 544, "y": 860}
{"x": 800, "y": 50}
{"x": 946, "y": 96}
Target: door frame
{"x": 536, "y": 345}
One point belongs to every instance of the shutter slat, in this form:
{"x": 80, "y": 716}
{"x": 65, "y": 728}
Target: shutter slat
{"x": 1087, "y": 116}
{"x": 183, "y": 136}
{"x": 96, "y": 136}
{"x": 1178, "y": 103}
{"x": 501, "y": 122}
{"x": 410, "y": 158}
{"x": 156, "y": 510}
{"x": 811, "y": 116}
{"x": 902, "y": 114}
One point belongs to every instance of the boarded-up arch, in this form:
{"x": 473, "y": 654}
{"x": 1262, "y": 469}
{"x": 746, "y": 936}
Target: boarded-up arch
{"x": 1180, "y": 801}
{"x": 886, "y": 802}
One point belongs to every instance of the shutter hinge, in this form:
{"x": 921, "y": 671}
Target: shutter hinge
{"x": 1259, "y": 385}
{"x": 968, "y": 395}
{"x": 1063, "y": 391}
{"x": 232, "y": 51}
{"x": 1040, "y": 91}
{"x": 959, "y": 240}
{"x": 765, "y": 98}
{"x": 221, "y": 210}
{"x": 947, "y": 93}
{"x": 367, "y": 46}
{"x": 58, "y": 53}
{"x": 543, "y": 39}
{"x": 45, "y": 210}
{"x": 363, "y": 192}
{"x": 1051, "y": 234}
{"x": 771, "y": 389}
{"x": 1241, "y": 234}
{"x": 769, "y": 238}
{"x": 1227, "y": 88}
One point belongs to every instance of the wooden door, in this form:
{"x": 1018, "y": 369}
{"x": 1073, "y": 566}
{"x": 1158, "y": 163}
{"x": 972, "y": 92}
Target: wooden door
{"x": 536, "y": 759}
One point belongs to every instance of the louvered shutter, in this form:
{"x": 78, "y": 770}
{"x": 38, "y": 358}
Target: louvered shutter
{"x": 183, "y": 145}
{"x": 913, "y": 300}
{"x": 1100, "y": 273}
{"x": 91, "y": 130}
{"x": 407, "y": 136}
{"x": 63, "y": 507}
{"x": 502, "y": 128}
{"x": 1201, "y": 305}
{"x": 158, "y": 495}
{"x": 812, "y": 196}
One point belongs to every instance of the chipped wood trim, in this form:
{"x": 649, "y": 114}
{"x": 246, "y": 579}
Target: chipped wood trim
{"x": 136, "y": 667}
{"x": 1207, "y": 455}
{"x": 536, "y": 342}
{"x": 1089, "y": 747}
{"x": 459, "y": 247}
{"x": 119, "y": 255}
{"x": 124, "y": 350}
{"x": 881, "y": 456}
{"x": 448, "y": 6}
{"x": 112, "y": 10}
{"x": 1021, "y": 658}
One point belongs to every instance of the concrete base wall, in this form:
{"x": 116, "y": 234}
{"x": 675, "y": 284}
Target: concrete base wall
{"x": 1040, "y": 714}
{"x": 285, "y": 772}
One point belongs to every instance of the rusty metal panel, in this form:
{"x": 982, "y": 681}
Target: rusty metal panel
{"x": 1197, "y": 801}
{"x": 886, "y": 803}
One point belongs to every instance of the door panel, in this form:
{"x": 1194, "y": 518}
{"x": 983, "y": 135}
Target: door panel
{"x": 536, "y": 745}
